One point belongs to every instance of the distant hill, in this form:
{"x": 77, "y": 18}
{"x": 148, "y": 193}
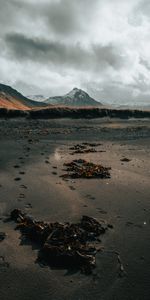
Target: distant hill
{"x": 12, "y": 99}
{"x": 138, "y": 107}
{"x": 76, "y": 97}
{"x": 39, "y": 98}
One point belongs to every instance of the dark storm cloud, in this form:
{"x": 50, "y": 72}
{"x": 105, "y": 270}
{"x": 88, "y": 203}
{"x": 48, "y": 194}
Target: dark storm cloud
{"x": 144, "y": 7}
{"x": 53, "y": 45}
{"x": 8, "y": 11}
{"x": 61, "y": 17}
{"x": 35, "y": 49}
{"x": 68, "y": 17}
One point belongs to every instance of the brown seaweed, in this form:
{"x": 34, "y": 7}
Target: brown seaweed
{"x": 83, "y": 169}
{"x": 65, "y": 245}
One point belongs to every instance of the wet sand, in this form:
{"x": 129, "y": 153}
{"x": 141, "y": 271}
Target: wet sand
{"x": 32, "y": 154}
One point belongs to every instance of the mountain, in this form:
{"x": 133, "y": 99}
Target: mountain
{"x": 12, "y": 99}
{"x": 76, "y": 97}
{"x": 39, "y": 98}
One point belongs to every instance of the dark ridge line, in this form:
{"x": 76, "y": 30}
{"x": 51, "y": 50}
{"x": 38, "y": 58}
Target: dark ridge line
{"x": 74, "y": 113}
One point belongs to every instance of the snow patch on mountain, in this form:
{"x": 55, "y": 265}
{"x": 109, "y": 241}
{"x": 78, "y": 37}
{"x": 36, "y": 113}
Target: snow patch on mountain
{"x": 75, "y": 97}
{"x": 38, "y": 98}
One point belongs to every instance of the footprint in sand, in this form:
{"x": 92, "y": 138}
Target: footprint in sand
{"x": 2, "y": 236}
{"x": 22, "y": 172}
{"x": 17, "y": 179}
{"x": 47, "y": 162}
{"x": 16, "y": 166}
{"x": 90, "y": 197}
{"x": 3, "y": 262}
{"x": 102, "y": 211}
{"x": 72, "y": 188}
{"x": 19, "y": 200}
{"x": 22, "y": 186}
{"x": 22, "y": 195}
{"x": 28, "y": 205}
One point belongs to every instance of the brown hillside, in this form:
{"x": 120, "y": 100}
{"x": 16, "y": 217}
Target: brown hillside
{"x": 11, "y": 103}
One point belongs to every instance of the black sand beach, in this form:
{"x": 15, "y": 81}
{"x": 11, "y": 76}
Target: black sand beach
{"x": 32, "y": 154}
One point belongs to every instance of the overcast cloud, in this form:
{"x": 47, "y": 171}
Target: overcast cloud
{"x": 101, "y": 46}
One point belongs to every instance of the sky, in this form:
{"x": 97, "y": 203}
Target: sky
{"x": 49, "y": 47}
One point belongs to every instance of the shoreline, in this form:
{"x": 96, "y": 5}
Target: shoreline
{"x": 40, "y": 148}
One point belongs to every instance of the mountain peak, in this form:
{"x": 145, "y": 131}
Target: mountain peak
{"x": 75, "y": 89}
{"x": 76, "y": 97}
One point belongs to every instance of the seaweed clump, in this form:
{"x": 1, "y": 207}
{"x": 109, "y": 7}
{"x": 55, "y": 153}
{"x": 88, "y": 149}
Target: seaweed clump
{"x": 81, "y": 168}
{"x": 80, "y": 149}
{"x": 65, "y": 245}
